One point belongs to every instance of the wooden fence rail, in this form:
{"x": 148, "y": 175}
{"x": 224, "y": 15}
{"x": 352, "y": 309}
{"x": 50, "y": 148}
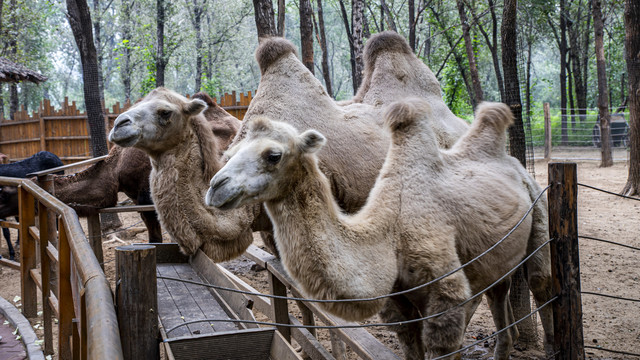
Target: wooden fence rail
{"x": 81, "y": 297}
{"x": 64, "y": 131}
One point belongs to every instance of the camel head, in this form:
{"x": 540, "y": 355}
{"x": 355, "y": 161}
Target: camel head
{"x": 263, "y": 166}
{"x": 157, "y": 122}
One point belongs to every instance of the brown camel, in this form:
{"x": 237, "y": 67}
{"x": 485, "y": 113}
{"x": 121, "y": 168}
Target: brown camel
{"x": 97, "y": 187}
{"x": 429, "y": 211}
{"x": 185, "y": 142}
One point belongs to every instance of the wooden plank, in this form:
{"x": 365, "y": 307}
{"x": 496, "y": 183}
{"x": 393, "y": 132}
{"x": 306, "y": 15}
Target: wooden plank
{"x": 260, "y": 303}
{"x": 52, "y": 252}
{"x": 210, "y": 271}
{"x": 34, "y": 232}
{"x": 19, "y": 141}
{"x": 186, "y": 305}
{"x": 249, "y": 344}
{"x": 280, "y": 306}
{"x": 565, "y": 260}
{"x": 308, "y": 342}
{"x": 10, "y": 224}
{"x": 358, "y": 339}
{"x": 168, "y": 310}
{"x": 10, "y": 263}
{"x": 281, "y": 349}
{"x": 258, "y": 255}
{"x": 36, "y": 277}
{"x": 201, "y": 295}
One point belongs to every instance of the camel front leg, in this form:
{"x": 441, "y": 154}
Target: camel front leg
{"x": 444, "y": 334}
{"x": 399, "y": 308}
{"x": 500, "y": 307}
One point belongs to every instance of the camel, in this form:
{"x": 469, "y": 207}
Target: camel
{"x": 185, "y": 140}
{"x": 97, "y": 187}
{"x": 430, "y": 210}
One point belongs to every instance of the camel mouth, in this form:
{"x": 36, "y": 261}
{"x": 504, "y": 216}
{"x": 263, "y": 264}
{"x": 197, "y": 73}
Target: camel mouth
{"x": 223, "y": 199}
{"x": 124, "y": 138}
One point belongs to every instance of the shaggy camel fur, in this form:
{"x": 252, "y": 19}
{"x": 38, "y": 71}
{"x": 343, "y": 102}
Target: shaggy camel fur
{"x": 429, "y": 211}
{"x": 185, "y": 145}
{"x": 126, "y": 170}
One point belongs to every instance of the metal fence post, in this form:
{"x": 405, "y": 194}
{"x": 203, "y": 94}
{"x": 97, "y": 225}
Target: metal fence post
{"x": 565, "y": 258}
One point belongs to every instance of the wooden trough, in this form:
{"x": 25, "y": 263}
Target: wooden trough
{"x": 181, "y": 302}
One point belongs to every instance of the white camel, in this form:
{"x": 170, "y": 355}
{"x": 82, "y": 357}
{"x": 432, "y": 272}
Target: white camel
{"x": 429, "y": 211}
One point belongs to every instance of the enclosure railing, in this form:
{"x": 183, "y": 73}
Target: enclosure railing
{"x": 59, "y": 263}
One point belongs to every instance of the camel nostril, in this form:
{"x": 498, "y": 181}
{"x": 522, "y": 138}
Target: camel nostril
{"x": 122, "y": 122}
{"x": 215, "y": 185}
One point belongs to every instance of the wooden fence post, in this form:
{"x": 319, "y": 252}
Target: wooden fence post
{"x": 547, "y": 131}
{"x": 28, "y": 260}
{"x": 137, "y": 301}
{"x": 95, "y": 237}
{"x": 280, "y": 307}
{"x": 565, "y": 258}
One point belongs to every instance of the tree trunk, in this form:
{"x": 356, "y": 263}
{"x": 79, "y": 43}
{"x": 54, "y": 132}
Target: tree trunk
{"x": 519, "y": 295}
{"x": 80, "y": 22}
{"x": 281, "y": 17}
{"x": 14, "y": 102}
{"x": 198, "y": 9}
{"x": 306, "y": 34}
{"x": 126, "y": 51}
{"x": 477, "y": 95}
{"x": 161, "y": 62}
{"x": 632, "y": 55}
{"x": 357, "y": 24}
{"x": 265, "y": 23}
{"x": 603, "y": 89}
{"x": 390, "y": 20}
{"x": 577, "y": 65}
{"x": 571, "y": 104}
{"x": 412, "y": 25}
{"x": 325, "y": 55}
{"x": 97, "y": 28}
{"x": 563, "y": 74}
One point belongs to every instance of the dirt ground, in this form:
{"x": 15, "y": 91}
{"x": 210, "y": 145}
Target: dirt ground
{"x": 605, "y": 268}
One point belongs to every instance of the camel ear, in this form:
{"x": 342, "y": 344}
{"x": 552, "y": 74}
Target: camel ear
{"x": 195, "y": 107}
{"x": 311, "y": 141}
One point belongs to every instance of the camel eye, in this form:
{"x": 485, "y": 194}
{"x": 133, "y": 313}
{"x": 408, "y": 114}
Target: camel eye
{"x": 165, "y": 114}
{"x": 272, "y": 157}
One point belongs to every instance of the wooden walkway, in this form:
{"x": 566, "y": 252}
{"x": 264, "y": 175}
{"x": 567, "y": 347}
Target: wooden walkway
{"x": 179, "y": 302}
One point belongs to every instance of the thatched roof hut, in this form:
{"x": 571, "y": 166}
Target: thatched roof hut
{"x": 12, "y": 72}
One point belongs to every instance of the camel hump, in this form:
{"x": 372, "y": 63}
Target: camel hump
{"x": 494, "y": 114}
{"x": 386, "y": 41}
{"x": 204, "y": 97}
{"x": 271, "y": 49}
{"x": 401, "y": 114}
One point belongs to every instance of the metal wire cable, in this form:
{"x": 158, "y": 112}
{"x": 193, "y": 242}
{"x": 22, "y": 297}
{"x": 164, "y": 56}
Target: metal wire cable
{"x": 609, "y": 192}
{"x": 609, "y": 241}
{"x": 391, "y": 294}
{"x": 397, "y": 323}
{"x": 611, "y": 351}
{"x": 609, "y": 296}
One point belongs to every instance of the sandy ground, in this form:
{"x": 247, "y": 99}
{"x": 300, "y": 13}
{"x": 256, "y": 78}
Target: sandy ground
{"x": 605, "y": 268}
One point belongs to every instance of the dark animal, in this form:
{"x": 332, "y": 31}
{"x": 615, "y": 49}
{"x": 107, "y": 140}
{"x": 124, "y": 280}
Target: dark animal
{"x": 126, "y": 170}
{"x": 8, "y": 194}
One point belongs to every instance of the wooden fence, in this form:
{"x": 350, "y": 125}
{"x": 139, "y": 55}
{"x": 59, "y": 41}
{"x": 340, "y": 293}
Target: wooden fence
{"x": 65, "y": 133}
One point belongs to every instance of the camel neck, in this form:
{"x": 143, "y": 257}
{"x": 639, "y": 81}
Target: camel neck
{"x": 178, "y": 188}
{"x": 327, "y": 252}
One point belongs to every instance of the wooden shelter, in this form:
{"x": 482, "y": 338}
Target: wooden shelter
{"x": 12, "y": 72}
